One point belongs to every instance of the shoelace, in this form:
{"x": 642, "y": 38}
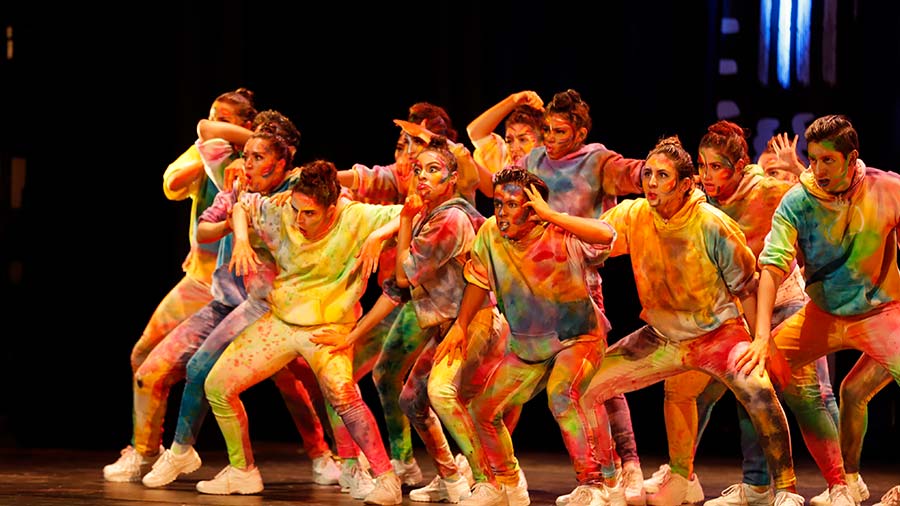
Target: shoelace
{"x": 737, "y": 488}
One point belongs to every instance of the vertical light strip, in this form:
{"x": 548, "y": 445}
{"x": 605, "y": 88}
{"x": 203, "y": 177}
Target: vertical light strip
{"x": 765, "y": 41}
{"x": 829, "y": 42}
{"x": 783, "y": 57}
{"x": 801, "y": 51}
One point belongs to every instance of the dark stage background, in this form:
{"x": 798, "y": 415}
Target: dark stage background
{"x": 96, "y": 103}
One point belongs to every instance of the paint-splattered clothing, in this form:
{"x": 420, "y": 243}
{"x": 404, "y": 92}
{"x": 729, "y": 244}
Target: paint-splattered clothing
{"x": 313, "y": 294}
{"x": 557, "y": 333}
{"x": 691, "y": 271}
{"x": 191, "y": 349}
{"x": 192, "y": 292}
{"x": 752, "y": 205}
{"x": 848, "y": 244}
{"x": 684, "y": 299}
{"x": 492, "y": 153}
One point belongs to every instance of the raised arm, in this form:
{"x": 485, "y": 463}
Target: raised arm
{"x": 235, "y": 134}
{"x": 589, "y": 230}
{"x": 489, "y": 120}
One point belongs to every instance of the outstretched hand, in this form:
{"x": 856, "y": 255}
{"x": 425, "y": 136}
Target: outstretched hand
{"x": 281, "y": 198}
{"x": 786, "y": 149}
{"x": 368, "y": 257}
{"x": 415, "y": 130}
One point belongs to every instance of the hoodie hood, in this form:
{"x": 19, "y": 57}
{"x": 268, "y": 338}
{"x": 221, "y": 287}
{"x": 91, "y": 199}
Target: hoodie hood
{"x": 683, "y": 216}
{"x": 808, "y": 180}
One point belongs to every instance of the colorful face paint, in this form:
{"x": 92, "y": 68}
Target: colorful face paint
{"x": 560, "y": 136}
{"x": 718, "y": 174}
{"x": 434, "y": 181}
{"x": 313, "y": 220}
{"x": 833, "y": 171}
{"x": 512, "y": 215}
{"x": 659, "y": 180}
{"x": 521, "y": 139}
{"x": 262, "y": 169}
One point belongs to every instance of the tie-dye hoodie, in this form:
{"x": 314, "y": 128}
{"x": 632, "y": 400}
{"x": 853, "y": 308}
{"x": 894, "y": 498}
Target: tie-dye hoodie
{"x": 752, "y": 206}
{"x": 691, "y": 270}
{"x": 438, "y": 252}
{"x": 314, "y": 285}
{"x": 847, "y": 243}
{"x": 586, "y": 182}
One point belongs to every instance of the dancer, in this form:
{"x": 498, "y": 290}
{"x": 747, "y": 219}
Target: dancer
{"x": 437, "y": 228}
{"x": 738, "y": 188}
{"x": 190, "y": 351}
{"x": 586, "y": 179}
{"x": 389, "y": 185}
{"x": 780, "y": 160}
{"x": 535, "y": 260}
{"x": 694, "y": 272}
{"x": 313, "y": 241}
{"x": 192, "y": 175}
{"x": 841, "y": 220}
{"x": 522, "y": 116}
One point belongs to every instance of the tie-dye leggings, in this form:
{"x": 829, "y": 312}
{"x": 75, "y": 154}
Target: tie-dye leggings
{"x": 645, "y": 357}
{"x": 812, "y": 333}
{"x": 262, "y": 349}
{"x": 189, "y": 352}
{"x": 690, "y": 397}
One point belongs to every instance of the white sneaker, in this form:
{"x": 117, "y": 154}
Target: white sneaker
{"x": 387, "y": 490}
{"x": 232, "y": 480}
{"x": 840, "y": 495}
{"x": 742, "y": 494}
{"x": 675, "y": 489}
{"x": 858, "y": 490}
{"x": 408, "y": 472}
{"x": 170, "y": 466}
{"x": 613, "y": 496}
{"x": 441, "y": 490}
{"x": 130, "y": 466}
{"x": 517, "y": 495}
{"x": 651, "y": 484}
{"x": 325, "y": 470}
{"x": 632, "y": 480}
{"x": 485, "y": 494}
{"x": 583, "y": 495}
{"x": 785, "y": 498}
{"x": 890, "y": 498}
{"x": 356, "y": 480}
{"x": 462, "y": 465}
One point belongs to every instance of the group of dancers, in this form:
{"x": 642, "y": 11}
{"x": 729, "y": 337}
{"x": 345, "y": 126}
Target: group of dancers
{"x": 748, "y": 275}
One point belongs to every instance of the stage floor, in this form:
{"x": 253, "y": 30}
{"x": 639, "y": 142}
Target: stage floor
{"x": 74, "y": 478}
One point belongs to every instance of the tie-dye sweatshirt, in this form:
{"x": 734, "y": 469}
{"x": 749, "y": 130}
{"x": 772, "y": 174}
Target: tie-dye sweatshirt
{"x": 586, "y": 182}
{"x": 691, "y": 270}
{"x": 847, "y": 243}
{"x": 438, "y": 252}
{"x": 201, "y": 259}
{"x": 314, "y": 285}
{"x": 539, "y": 283}
{"x": 752, "y": 206}
{"x": 226, "y": 287}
